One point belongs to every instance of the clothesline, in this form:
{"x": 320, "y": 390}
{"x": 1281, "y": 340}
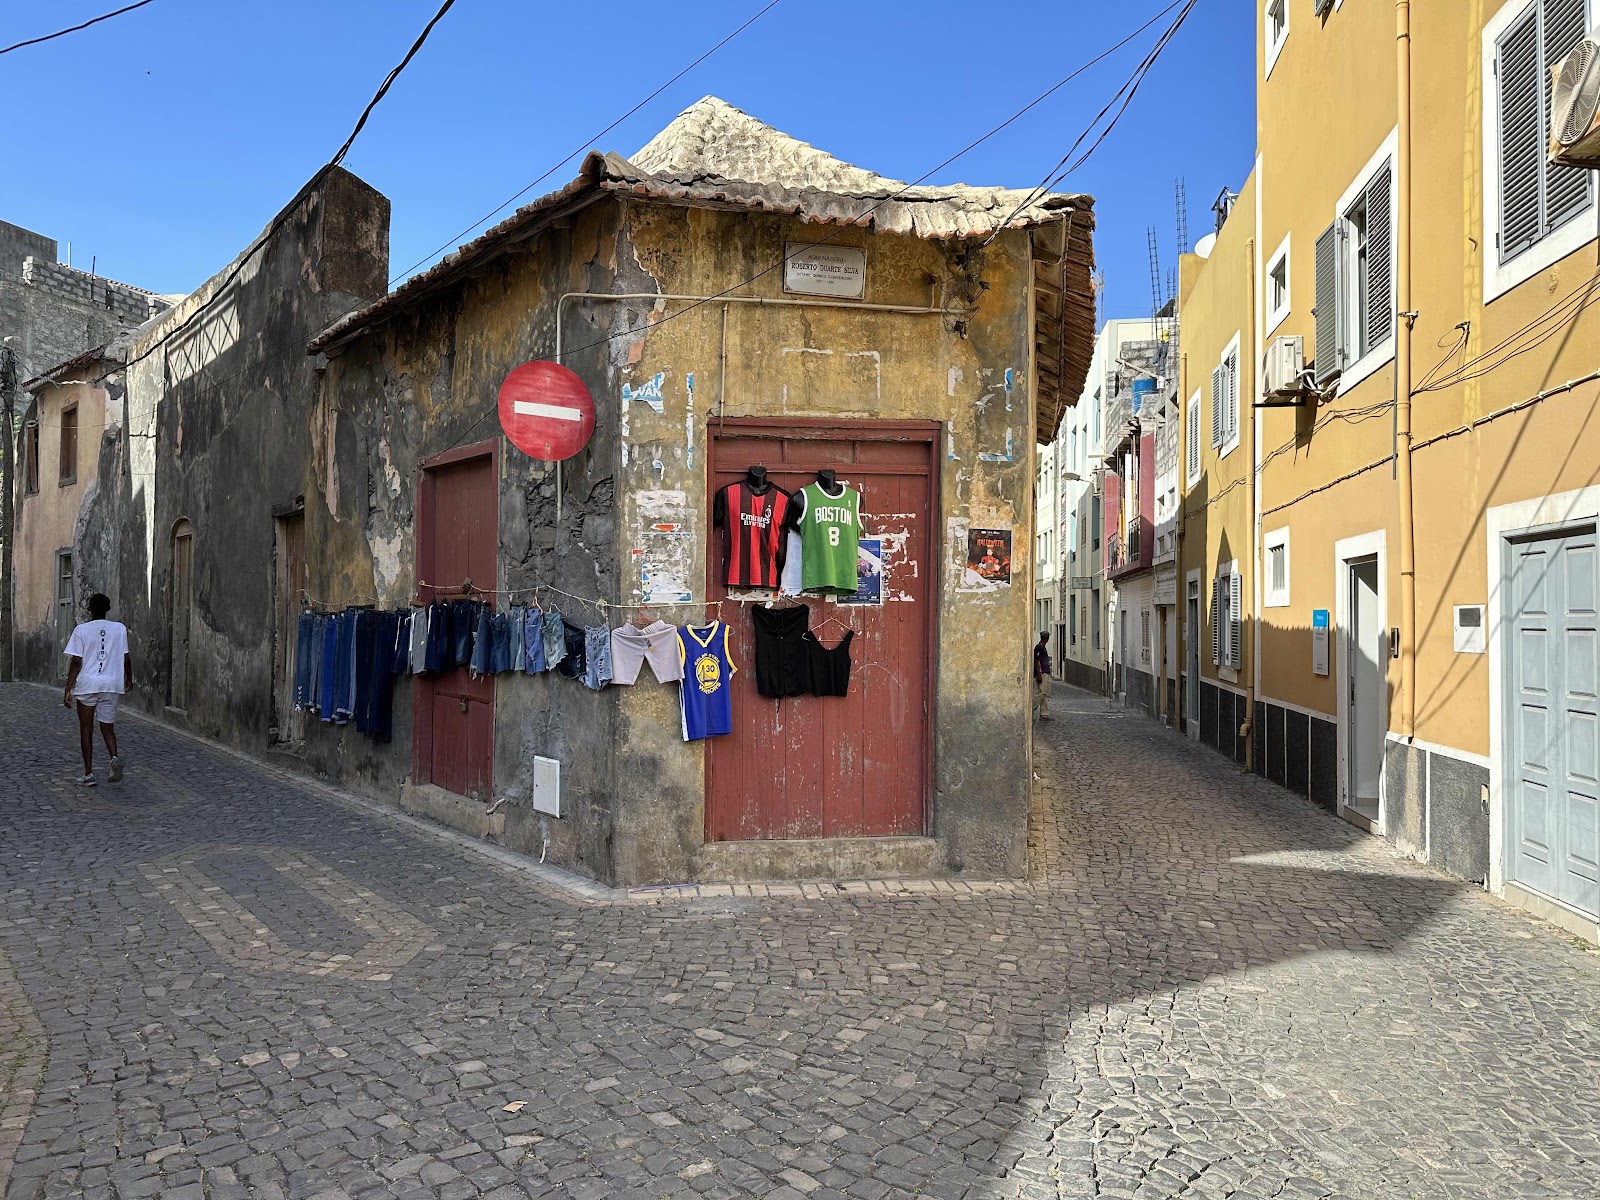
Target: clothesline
{"x": 601, "y": 605}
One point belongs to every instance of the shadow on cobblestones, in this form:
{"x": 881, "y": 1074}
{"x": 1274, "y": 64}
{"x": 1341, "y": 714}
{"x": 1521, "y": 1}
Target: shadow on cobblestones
{"x": 1212, "y": 989}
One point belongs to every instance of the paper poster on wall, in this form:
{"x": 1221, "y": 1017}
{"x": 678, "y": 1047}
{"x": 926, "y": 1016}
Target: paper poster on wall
{"x": 663, "y": 560}
{"x": 869, "y": 573}
{"x": 989, "y": 554}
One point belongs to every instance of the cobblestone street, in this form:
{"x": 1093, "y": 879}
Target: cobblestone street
{"x": 218, "y": 982}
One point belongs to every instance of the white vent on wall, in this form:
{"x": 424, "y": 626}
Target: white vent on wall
{"x": 546, "y": 786}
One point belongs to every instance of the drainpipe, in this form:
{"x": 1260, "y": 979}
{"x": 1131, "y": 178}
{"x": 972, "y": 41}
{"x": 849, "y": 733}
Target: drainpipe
{"x": 1253, "y": 686}
{"x": 1402, "y": 364}
{"x": 1180, "y": 610}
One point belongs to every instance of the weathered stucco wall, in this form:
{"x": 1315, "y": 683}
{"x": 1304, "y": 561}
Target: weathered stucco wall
{"x": 216, "y": 419}
{"x": 426, "y": 383}
{"x": 47, "y": 520}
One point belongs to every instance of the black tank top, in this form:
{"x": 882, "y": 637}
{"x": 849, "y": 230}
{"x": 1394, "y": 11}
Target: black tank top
{"x": 828, "y": 670}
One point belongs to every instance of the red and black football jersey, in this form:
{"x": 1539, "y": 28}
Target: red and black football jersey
{"x": 752, "y": 533}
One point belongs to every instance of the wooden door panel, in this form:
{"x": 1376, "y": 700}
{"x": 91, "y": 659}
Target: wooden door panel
{"x": 852, "y": 766}
{"x": 458, "y": 541}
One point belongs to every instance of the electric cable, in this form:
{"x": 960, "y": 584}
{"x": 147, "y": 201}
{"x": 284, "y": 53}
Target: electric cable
{"x": 294, "y": 205}
{"x": 1130, "y": 86}
{"x": 589, "y": 142}
{"x": 690, "y": 307}
{"x": 75, "y": 28}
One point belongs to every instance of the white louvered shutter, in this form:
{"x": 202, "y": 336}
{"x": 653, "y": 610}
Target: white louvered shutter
{"x": 1194, "y": 439}
{"x": 1329, "y": 361}
{"x": 1235, "y": 646}
{"x": 1219, "y": 395}
{"x": 1379, "y": 300}
{"x": 1521, "y": 141}
{"x": 1216, "y": 621}
{"x": 1230, "y": 429}
{"x": 1566, "y": 188}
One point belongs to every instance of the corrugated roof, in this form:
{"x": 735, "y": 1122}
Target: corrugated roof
{"x": 714, "y": 155}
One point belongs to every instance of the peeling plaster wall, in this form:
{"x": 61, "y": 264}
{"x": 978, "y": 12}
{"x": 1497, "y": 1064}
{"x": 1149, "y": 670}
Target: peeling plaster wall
{"x": 427, "y": 382}
{"x": 834, "y": 362}
{"x": 215, "y": 435}
{"x": 426, "y": 385}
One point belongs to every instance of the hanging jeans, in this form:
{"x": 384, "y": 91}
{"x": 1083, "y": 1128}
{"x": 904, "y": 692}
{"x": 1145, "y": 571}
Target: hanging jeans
{"x": 533, "y": 637}
{"x": 499, "y": 643}
{"x": 436, "y": 656}
{"x": 366, "y": 652}
{"x": 328, "y": 688}
{"x": 555, "y": 640}
{"x": 597, "y": 656}
{"x": 463, "y": 627}
{"x": 302, "y": 659}
{"x": 417, "y": 628}
{"x": 519, "y": 648}
{"x": 478, "y": 660}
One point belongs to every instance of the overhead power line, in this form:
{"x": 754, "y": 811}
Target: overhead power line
{"x": 279, "y": 221}
{"x": 554, "y": 167}
{"x": 74, "y": 29}
{"x": 968, "y": 148}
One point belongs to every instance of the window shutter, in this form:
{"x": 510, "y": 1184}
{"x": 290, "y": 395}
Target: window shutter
{"x": 1328, "y": 363}
{"x": 1521, "y": 141}
{"x": 1231, "y": 426}
{"x": 1194, "y": 439}
{"x": 1566, "y": 189}
{"x": 1216, "y": 621}
{"x": 1235, "y": 649}
{"x": 1218, "y": 400}
{"x": 1379, "y": 299}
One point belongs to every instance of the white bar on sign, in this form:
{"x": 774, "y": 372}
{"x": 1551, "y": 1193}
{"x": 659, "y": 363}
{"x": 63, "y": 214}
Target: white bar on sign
{"x": 528, "y": 408}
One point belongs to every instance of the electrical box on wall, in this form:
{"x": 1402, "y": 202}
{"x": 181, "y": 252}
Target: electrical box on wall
{"x": 1469, "y": 629}
{"x": 546, "y": 786}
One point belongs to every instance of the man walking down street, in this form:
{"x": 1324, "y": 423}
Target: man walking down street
{"x": 1041, "y": 678}
{"x": 98, "y": 671}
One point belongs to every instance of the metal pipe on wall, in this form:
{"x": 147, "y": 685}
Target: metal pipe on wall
{"x": 1402, "y": 364}
{"x": 1252, "y": 687}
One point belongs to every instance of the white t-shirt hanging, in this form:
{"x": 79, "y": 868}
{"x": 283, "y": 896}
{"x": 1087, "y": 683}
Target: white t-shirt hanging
{"x": 102, "y": 645}
{"x": 791, "y": 583}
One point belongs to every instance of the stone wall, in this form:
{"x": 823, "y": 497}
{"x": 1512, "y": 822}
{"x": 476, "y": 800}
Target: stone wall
{"x": 54, "y": 312}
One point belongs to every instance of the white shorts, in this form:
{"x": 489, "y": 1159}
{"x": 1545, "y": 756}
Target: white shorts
{"x": 103, "y": 703}
{"x": 656, "y": 643}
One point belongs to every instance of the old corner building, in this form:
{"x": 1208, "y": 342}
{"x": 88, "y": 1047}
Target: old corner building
{"x": 370, "y": 475}
{"x": 1403, "y": 235}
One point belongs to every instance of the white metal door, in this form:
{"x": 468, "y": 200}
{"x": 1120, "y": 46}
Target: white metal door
{"x": 1555, "y": 719}
{"x": 1364, "y": 661}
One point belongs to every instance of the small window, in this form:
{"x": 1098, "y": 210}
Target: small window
{"x": 1094, "y": 616}
{"x": 69, "y": 445}
{"x": 1276, "y": 31}
{"x": 1227, "y": 641}
{"x": 1278, "y": 287}
{"x": 1144, "y": 635}
{"x": 1225, "y": 400}
{"x": 1276, "y": 594}
{"x": 30, "y": 454}
{"x": 1355, "y": 279}
{"x": 1095, "y": 522}
{"x": 1192, "y": 436}
{"x": 1072, "y": 619}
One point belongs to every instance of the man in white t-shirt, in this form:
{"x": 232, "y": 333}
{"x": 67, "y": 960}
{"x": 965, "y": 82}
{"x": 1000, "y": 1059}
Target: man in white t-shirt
{"x": 98, "y": 671}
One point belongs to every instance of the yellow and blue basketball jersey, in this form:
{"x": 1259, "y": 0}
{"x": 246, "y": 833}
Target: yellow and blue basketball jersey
{"x": 706, "y": 697}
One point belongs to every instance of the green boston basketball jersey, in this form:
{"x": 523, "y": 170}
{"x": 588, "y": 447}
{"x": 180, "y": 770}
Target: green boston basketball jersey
{"x": 830, "y": 527}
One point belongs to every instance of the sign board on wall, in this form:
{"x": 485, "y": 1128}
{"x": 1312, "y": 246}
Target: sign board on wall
{"x": 1319, "y": 641}
{"x": 1166, "y": 591}
{"x": 825, "y": 270}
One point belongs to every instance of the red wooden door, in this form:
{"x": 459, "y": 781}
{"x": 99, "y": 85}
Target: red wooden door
{"x": 457, "y": 541}
{"x": 851, "y": 766}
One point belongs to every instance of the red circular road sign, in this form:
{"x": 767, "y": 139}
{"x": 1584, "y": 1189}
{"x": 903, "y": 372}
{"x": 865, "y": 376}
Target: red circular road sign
{"x": 546, "y": 411}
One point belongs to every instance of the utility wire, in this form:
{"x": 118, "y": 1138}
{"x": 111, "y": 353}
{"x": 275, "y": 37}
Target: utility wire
{"x": 282, "y": 218}
{"x": 1126, "y": 93}
{"x": 489, "y": 216}
{"x": 968, "y": 148}
{"x": 74, "y": 29}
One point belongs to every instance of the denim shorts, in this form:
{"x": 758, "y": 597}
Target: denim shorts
{"x": 597, "y": 655}
{"x": 555, "y": 640}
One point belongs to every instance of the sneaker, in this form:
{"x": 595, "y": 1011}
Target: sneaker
{"x": 116, "y": 769}
{"x": 88, "y": 780}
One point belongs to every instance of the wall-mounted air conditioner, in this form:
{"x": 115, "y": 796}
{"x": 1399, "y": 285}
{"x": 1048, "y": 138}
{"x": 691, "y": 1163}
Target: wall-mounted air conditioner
{"x": 1284, "y": 367}
{"x": 1575, "y": 105}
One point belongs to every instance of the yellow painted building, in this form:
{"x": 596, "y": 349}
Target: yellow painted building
{"x": 1420, "y": 576}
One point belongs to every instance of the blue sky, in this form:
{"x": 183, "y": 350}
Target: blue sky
{"x": 162, "y": 141}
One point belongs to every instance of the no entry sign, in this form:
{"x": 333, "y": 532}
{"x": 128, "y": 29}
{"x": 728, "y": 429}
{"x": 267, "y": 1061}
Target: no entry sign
{"x": 546, "y": 411}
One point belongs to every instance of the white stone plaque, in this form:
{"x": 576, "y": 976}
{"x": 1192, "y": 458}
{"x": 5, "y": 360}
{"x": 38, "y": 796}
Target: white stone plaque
{"x": 825, "y": 270}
